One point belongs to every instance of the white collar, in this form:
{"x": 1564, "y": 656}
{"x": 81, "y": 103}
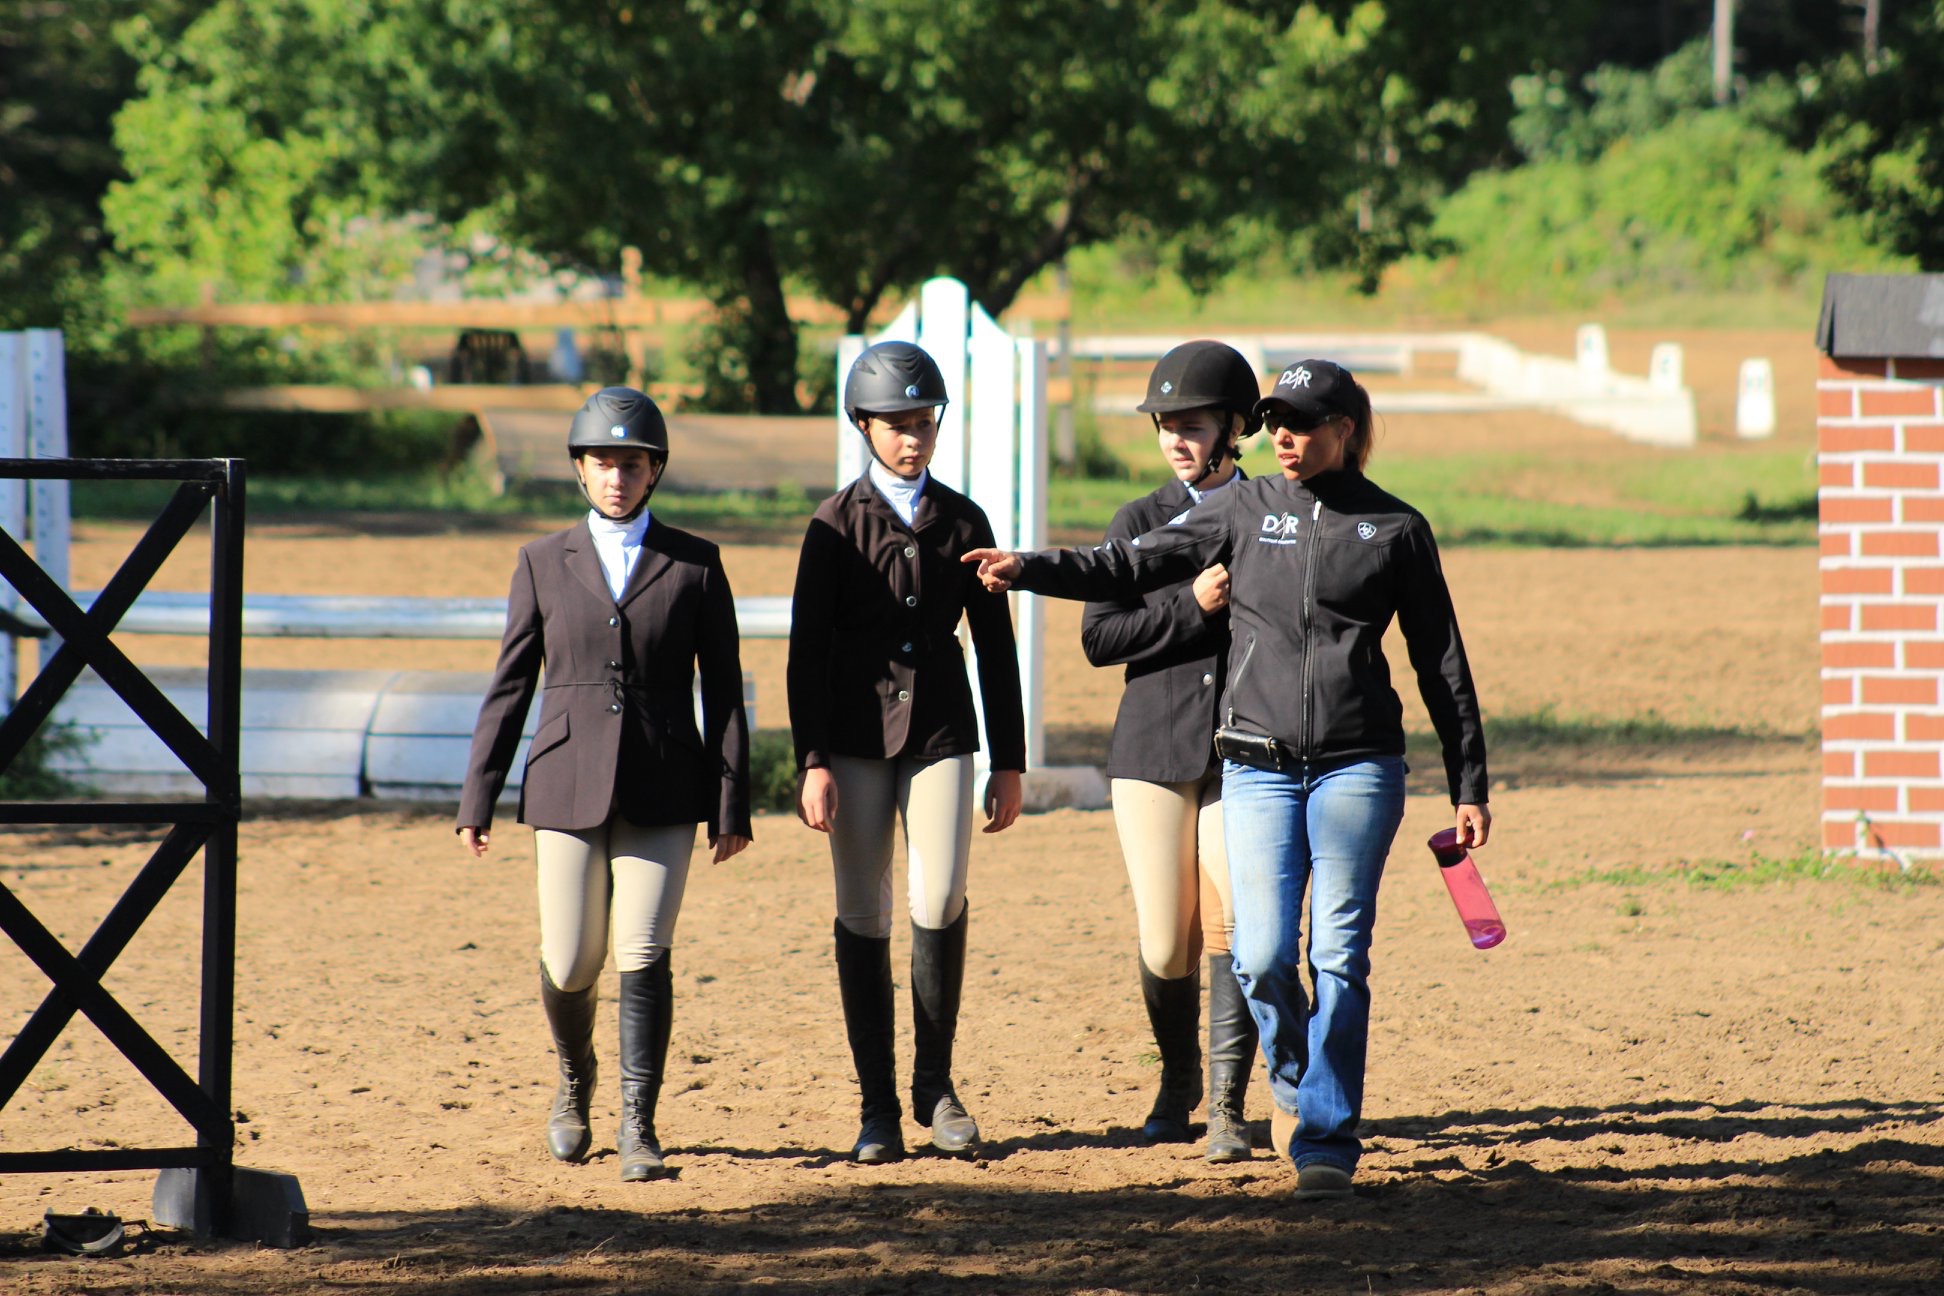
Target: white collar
{"x": 900, "y": 493}
{"x": 630, "y": 532}
{"x": 1199, "y": 495}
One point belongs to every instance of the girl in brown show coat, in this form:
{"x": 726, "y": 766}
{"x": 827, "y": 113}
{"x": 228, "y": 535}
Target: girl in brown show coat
{"x": 885, "y": 729}
{"x": 620, "y": 608}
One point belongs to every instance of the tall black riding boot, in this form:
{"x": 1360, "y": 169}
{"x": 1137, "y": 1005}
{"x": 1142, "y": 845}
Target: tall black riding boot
{"x": 1231, "y": 1056}
{"x": 570, "y": 1014}
{"x": 870, "y": 1018}
{"x": 937, "y": 976}
{"x": 1174, "y": 1010}
{"x": 647, "y": 1007}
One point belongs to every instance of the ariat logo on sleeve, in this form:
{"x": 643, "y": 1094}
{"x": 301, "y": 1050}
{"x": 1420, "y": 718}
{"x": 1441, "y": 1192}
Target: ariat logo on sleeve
{"x": 1279, "y": 528}
{"x": 1366, "y": 530}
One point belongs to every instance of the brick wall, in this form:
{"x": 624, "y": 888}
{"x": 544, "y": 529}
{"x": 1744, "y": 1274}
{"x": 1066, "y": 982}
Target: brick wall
{"x": 1881, "y": 470}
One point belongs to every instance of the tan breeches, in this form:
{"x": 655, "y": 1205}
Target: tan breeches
{"x": 1171, "y": 837}
{"x": 617, "y": 876}
{"x": 933, "y": 800}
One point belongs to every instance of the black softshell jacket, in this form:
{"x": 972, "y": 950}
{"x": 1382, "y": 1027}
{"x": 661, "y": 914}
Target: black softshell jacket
{"x": 1176, "y": 657}
{"x": 1317, "y": 571}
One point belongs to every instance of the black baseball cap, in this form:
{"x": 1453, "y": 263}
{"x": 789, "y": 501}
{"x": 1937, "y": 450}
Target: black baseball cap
{"x": 1314, "y": 389}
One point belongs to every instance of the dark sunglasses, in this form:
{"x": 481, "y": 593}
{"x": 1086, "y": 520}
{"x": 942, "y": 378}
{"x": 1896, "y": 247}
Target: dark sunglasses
{"x": 1301, "y": 424}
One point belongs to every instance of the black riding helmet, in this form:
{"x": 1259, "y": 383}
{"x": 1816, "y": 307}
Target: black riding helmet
{"x": 619, "y": 416}
{"x": 1204, "y": 375}
{"x": 890, "y": 378}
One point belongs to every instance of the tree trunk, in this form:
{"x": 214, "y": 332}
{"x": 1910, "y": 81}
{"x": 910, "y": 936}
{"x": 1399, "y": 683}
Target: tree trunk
{"x": 769, "y": 335}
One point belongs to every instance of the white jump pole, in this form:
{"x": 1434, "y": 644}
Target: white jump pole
{"x": 13, "y": 492}
{"x": 47, "y": 438}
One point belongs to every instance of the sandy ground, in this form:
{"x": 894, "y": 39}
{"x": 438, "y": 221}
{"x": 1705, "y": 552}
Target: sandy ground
{"x": 1654, "y": 1086}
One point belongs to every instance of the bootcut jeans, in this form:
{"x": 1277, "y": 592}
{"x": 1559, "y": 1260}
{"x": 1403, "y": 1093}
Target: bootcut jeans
{"x": 1328, "y": 833}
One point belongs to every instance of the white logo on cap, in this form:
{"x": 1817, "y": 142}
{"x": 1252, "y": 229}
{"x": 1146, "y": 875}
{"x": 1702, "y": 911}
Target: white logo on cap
{"x": 1366, "y": 530}
{"x": 618, "y": 432}
{"x": 912, "y": 390}
{"x": 1294, "y": 378}
{"x": 1166, "y": 388}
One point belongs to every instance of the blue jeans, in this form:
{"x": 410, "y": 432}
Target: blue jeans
{"x": 1329, "y": 832}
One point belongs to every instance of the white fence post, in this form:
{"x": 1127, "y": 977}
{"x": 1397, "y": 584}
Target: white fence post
{"x": 1665, "y": 366}
{"x": 1755, "y": 400}
{"x": 1590, "y": 347}
{"x": 47, "y": 438}
{"x": 1031, "y": 534}
{"x": 13, "y": 493}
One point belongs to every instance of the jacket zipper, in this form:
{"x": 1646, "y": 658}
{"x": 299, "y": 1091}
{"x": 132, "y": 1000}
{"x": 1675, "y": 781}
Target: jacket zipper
{"x": 1235, "y": 680}
{"x": 1309, "y": 582}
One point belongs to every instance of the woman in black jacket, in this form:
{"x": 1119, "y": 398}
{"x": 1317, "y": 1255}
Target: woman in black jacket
{"x": 881, "y": 713}
{"x": 620, "y": 609}
{"x": 1167, "y": 785}
{"x": 1320, "y": 561}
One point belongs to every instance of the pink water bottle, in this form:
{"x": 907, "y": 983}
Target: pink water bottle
{"x": 1468, "y": 893}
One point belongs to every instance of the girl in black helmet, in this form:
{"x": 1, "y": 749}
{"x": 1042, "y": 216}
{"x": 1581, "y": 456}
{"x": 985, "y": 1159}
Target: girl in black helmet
{"x": 884, "y": 726}
{"x": 1321, "y": 562}
{"x": 1167, "y": 784}
{"x": 620, "y": 608}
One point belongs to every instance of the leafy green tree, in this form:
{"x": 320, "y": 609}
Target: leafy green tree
{"x": 1885, "y": 134}
{"x": 850, "y": 148}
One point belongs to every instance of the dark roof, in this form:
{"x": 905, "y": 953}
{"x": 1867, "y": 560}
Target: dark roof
{"x": 1878, "y": 316}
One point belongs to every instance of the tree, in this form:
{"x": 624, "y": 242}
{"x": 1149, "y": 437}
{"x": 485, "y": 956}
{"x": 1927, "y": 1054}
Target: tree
{"x": 847, "y": 147}
{"x": 1885, "y": 128}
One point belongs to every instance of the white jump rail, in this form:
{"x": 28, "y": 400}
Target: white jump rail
{"x": 313, "y": 616}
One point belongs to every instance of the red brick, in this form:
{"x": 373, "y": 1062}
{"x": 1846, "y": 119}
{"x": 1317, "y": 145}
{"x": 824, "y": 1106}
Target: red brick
{"x": 1840, "y": 545}
{"x": 1900, "y": 764}
{"x": 1853, "y": 367}
{"x": 1838, "y": 834}
{"x": 1923, "y": 438}
{"x": 1923, "y": 800}
{"x": 1918, "y": 654}
{"x": 1916, "y": 580}
{"x": 1906, "y": 402}
{"x": 1865, "y": 580}
{"x": 1899, "y": 616}
{"x": 1919, "y": 727}
{"x": 1899, "y": 544}
{"x": 1839, "y": 692}
{"x": 1839, "y": 476}
{"x": 1860, "y": 726}
{"x": 1854, "y": 655}
{"x": 1908, "y": 832}
{"x": 1899, "y": 690}
{"x": 1918, "y": 368}
{"x": 1836, "y": 402}
{"x": 1839, "y": 765}
{"x": 1838, "y": 616}
{"x": 1877, "y": 800}
{"x": 1921, "y": 508}
{"x": 1855, "y": 440}
{"x": 1900, "y": 475}
{"x": 1859, "y": 655}
{"x": 1848, "y": 510}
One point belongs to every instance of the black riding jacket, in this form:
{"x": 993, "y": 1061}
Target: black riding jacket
{"x": 1317, "y": 570}
{"x": 1176, "y": 657}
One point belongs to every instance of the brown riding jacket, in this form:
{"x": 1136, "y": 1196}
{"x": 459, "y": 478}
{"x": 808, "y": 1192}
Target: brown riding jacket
{"x": 876, "y": 669}
{"x": 617, "y": 717}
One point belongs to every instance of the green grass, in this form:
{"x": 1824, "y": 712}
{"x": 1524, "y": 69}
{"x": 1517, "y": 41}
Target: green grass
{"x": 1544, "y": 728}
{"x": 1757, "y": 870}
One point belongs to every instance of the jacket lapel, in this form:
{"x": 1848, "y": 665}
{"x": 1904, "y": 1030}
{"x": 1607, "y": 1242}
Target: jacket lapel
{"x": 585, "y": 564}
{"x": 651, "y": 563}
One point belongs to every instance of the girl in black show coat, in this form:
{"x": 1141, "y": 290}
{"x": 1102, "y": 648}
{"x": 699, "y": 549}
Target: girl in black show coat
{"x": 1167, "y": 784}
{"x": 620, "y": 608}
{"x": 882, "y": 717}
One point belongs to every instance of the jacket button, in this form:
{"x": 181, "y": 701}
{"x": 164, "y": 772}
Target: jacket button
{"x": 614, "y": 665}
{"x": 614, "y": 621}
{"x": 906, "y": 648}
{"x": 904, "y": 695}
{"x": 911, "y": 551}
{"x": 614, "y": 707}
{"x": 1207, "y": 678}
{"x": 911, "y": 600}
